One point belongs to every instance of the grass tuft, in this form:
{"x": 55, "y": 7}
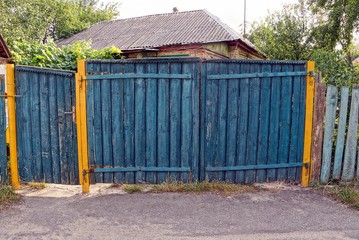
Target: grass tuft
{"x": 8, "y": 196}
{"x": 37, "y": 185}
{"x": 196, "y": 187}
{"x": 347, "y": 193}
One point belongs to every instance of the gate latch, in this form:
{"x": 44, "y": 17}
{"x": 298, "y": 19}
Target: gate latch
{"x": 73, "y": 113}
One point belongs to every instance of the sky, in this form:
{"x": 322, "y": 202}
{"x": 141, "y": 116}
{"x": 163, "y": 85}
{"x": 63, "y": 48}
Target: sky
{"x": 229, "y": 11}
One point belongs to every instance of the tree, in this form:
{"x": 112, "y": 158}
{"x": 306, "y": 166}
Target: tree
{"x": 284, "y": 34}
{"x": 41, "y": 20}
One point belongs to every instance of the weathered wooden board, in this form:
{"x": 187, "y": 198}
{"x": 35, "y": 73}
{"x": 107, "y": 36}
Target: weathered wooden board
{"x": 330, "y": 114}
{"x": 3, "y": 151}
{"x": 318, "y": 127}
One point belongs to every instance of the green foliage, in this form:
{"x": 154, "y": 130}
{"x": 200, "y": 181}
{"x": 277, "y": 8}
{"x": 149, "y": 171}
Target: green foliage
{"x": 335, "y": 68}
{"x": 49, "y": 55}
{"x": 284, "y": 34}
{"x": 40, "y": 20}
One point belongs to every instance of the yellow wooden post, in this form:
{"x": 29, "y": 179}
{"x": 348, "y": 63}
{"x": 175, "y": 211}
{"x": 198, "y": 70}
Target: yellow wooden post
{"x": 309, "y": 105}
{"x": 10, "y": 84}
{"x": 81, "y": 120}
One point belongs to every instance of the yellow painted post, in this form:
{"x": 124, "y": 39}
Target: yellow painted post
{"x": 10, "y": 84}
{"x": 81, "y": 120}
{"x": 309, "y": 104}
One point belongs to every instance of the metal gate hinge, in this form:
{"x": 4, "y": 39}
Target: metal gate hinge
{"x": 6, "y": 95}
{"x": 73, "y": 113}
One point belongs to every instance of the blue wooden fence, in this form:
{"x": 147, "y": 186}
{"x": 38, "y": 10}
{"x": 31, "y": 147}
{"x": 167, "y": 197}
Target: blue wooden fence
{"x": 47, "y": 148}
{"x": 3, "y": 148}
{"x": 143, "y": 119}
{"x": 252, "y": 120}
{"x": 153, "y": 120}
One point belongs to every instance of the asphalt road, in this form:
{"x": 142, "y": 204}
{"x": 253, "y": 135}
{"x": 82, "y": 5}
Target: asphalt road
{"x": 292, "y": 213}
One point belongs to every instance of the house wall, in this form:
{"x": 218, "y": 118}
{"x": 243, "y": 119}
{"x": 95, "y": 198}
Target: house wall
{"x": 236, "y": 52}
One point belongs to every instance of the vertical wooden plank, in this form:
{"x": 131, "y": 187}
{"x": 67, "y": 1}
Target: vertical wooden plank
{"x": 98, "y": 130}
{"x": 20, "y": 123}
{"x": 274, "y": 122}
{"x": 242, "y": 122}
{"x": 151, "y": 122}
{"x": 187, "y": 127}
{"x": 10, "y": 78}
{"x": 233, "y": 101}
{"x": 163, "y": 121}
{"x": 264, "y": 111}
{"x": 175, "y": 120}
{"x": 81, "y": 118}
{"x": 211, "y": 121}
{"x": 74, "y": 148}
{"x": 204, "y": 120}
{"x": 253, "y": 123}
{"x": 34, "y": 123}
{"x": 46, "y": 175}
{"x": 129, "y": 120}
{"x": 339, "y": 147}
{"x": 3, "y": 153}
{"x": 308, "y": 124}
{"x": 54, "y": 128}
{"x": 222, "y": 120}
{"x": 140, "y": 120}
{"x": 318, "y": 127}
{"x": 106, "y": 116}
{"x": 194, "y": 70}
{"x": 118, "y": 149}
{"x": 330, "y": 115}
{"x": 351, "y": 142}
{"x": 285, "y": 121}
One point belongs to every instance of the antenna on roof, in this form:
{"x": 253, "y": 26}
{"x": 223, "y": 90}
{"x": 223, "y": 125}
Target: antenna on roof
{"x": 175, "y": 9}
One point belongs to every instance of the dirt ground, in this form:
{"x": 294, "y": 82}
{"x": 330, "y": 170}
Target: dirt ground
{"x": 283, "y": 212}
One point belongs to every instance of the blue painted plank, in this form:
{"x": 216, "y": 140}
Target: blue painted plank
{"x": 302, "y": 99}
{"x": 151, "y": 122}
{"x": 222, "y": 121}
{"x": 274, "y": 122}
{"x": 98, "y": 130}
{"x": 253, "y": 124}
{"x": 330, "y": 117}
{"x": 163, "y": 121}
{"x": 19, "y": 125}
{"x": 31, "y": 125}
{"x": 106, "y": 115}
{"x": 243, "y": 123}
{"x": 45, "y": 129}
{"x": 351, "y": 142}
{"x": 233, "y": 102}
{"x": 285, "y": 121}
{"x": 211, "y": 122}
{"x": 339, "y": 146}
{"x": 129, "y": 120}
{"x": 175, "y": 120}
{"x": 3, "y": 155}
{"x": 295, "y": 118}
{"x": 264, "y": 111}
{"x": 140, "y": 120}
{"x": 74, "y": 151}
{"x": 194, "y": 68}
{"x": 203, "y": 123}
{"x": 54, "y": 129}
{"x": 118, "y": 149}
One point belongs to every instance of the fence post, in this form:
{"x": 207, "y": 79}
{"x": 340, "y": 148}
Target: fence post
{"x": 10, "y": 84}
{"x": 308, "y": 130}
{"x": 81, "y": 120}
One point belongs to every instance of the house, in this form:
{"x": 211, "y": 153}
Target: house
{"x": 4, "y": 51}
{"x": 192, "y": 33}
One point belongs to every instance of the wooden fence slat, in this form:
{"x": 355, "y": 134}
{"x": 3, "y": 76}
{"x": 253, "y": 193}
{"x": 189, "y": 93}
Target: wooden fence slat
{"x": 318, "y": 123}
{"x": 339, "y": 148}
{"x": 331, "y": 106}
{"x": 351, "y": 143}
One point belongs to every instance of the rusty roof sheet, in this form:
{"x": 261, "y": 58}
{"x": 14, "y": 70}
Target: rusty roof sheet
{"x": 158, "y": 30}
{"x": 4, "y": 51}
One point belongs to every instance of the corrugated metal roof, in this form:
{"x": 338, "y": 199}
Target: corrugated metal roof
{"x": 158, "y": 30}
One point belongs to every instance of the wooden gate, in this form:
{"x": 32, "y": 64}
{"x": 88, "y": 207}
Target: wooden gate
{"x": 47, "y": 148}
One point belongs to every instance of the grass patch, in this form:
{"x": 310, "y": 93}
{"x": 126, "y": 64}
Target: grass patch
{"x": 196, "y": 187}
{"x": 8, "y": 196}
{"x": 347, "y": 193}
{"x": 37, "y": 185}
